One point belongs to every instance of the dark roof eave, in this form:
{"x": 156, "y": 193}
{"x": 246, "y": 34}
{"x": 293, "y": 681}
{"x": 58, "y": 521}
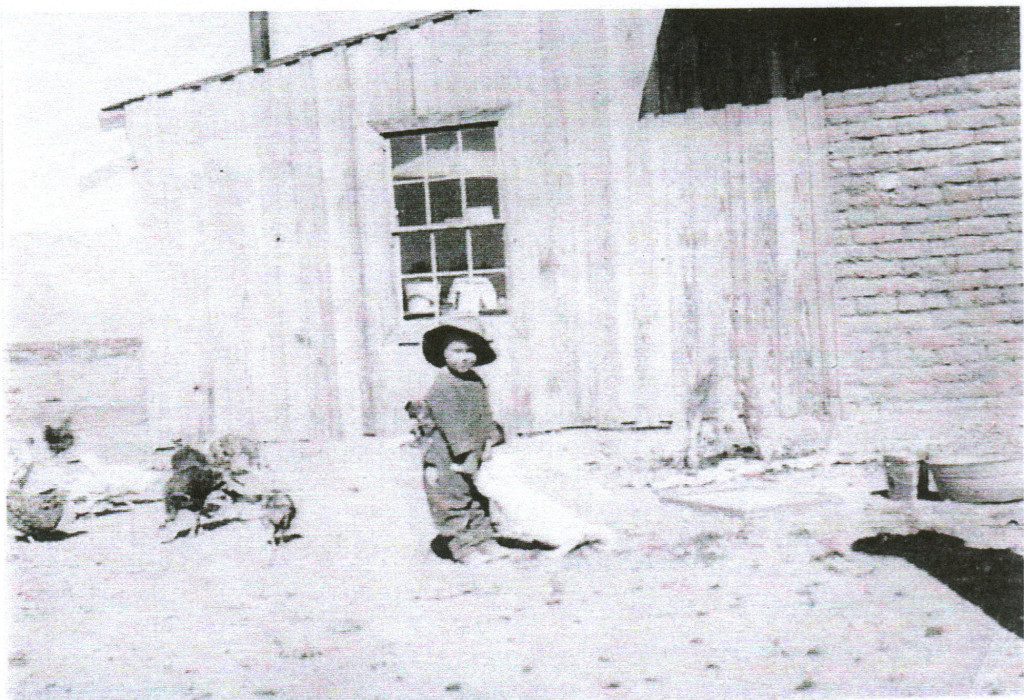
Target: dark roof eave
{"x": 293, "y": 58}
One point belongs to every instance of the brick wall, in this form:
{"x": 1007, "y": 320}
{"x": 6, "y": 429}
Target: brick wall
{"x": 928, "y": 224}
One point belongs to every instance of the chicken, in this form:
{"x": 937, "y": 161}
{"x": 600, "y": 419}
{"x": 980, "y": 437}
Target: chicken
{"x": 33, "y": 514}
{"x": 59, "y": 439}
{"x": 237, "y": 453}
{"x": 191, "y": 483}
{"x": 278, "y": 512}
{"x": 187, "y": 457}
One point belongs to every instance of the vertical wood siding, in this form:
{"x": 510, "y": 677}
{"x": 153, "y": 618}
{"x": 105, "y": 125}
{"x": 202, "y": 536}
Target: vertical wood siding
{"x": 745, "y": 237}
{"x": 640, "y": 254}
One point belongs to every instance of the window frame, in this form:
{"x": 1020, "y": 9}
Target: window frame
{"x": 496, "y": 224}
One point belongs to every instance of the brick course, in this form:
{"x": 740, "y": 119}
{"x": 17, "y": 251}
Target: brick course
{"x": 927, "y": 201}
{"x": 936, "y": 247}
{"x": 853, "y": 287}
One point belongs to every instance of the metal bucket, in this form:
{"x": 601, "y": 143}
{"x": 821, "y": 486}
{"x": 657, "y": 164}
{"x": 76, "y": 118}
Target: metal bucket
{"x": 901, "y": 473}
{"x": 978, "y": 479}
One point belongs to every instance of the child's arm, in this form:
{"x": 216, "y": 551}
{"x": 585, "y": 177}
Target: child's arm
{"x": 485, "y": 454}
{"x": 473, "y": 460}
{"x": 494, "y": 438}
{"x": 469, "y": 464}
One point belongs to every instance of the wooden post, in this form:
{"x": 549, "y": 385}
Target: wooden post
{"x": 259, "y": 36}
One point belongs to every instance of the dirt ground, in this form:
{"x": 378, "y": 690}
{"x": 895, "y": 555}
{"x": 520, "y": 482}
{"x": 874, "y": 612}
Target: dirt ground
{"x": 732, "y": 584}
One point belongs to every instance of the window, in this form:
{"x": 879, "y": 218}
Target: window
{"x": 448, "y": 221}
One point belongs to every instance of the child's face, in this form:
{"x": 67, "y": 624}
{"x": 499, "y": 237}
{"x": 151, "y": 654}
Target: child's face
{"x": 459, "y": 357}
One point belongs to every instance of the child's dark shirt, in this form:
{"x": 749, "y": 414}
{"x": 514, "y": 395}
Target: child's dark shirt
{"x": 463, "y": 415}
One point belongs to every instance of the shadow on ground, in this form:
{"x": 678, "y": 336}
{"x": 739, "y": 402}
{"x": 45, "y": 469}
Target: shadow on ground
{"x": 992, "y": 579}
{"x": 101, "y": 513}
{"x": 921, "y": 495}
{"x": 211, "y": 525}
{"x": 52, "y": 536}
{"x": 439, "y": 545}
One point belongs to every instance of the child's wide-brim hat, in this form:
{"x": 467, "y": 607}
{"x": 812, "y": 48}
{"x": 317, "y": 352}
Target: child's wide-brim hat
{"x": 467, "y": 329}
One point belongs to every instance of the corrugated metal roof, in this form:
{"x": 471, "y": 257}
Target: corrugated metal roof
{"x": 290, "y": 59}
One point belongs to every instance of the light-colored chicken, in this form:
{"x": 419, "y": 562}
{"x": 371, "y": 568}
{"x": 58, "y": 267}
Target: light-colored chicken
{"x": 277, "y": 512}
{"x": 238, "y": 454}
{"x": 35, "y": 515}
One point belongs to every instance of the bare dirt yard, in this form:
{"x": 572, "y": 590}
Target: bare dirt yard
{"x": 735, "y": 583}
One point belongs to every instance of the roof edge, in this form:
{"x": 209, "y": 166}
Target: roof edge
{"x": 412, "y": 123}
{"x": 290, "y": 59}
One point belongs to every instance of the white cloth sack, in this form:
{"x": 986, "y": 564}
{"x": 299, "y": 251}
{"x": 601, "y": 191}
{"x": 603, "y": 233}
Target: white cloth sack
{"x": 523, "y": 513}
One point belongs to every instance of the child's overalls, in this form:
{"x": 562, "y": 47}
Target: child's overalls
{"x": 464, "y": 423}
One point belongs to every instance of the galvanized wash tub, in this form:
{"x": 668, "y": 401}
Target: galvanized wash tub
{"x": 978, "y": 479}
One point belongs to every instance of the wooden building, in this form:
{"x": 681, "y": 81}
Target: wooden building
{"x": 822, "y": 206}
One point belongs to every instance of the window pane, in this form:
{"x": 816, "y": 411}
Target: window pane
{"x": 420, "y": 296}
{"x": 411, "y": 204}
{"x": 488, "y": 248}
{"x": 442, "y": 155}
{"x": 404, "y": 150}
{"x": 451, "y": 250}
{"x": 441, "y": 141}
{"x": 476, "y": 294}
{"x": 478, "y": 155}
{"x": 480, "y": 139}
{"x": 445, "y": 201}
{"x": 415, "y": 253}
{"x": 499, "y": 302}
{"x": 482, "y": 198}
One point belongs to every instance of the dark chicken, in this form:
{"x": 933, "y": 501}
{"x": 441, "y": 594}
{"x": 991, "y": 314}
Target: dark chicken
{"x": 59, "y": 439}
{"x": 190, "y": 485}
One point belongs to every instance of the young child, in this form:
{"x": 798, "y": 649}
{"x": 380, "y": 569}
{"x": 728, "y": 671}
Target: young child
{"x": 462, "y": 438}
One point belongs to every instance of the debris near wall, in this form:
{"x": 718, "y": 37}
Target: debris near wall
{"x": 787, "y": 438}
{"x": 716, "y": 427}
{"x": 726, "y": 421}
